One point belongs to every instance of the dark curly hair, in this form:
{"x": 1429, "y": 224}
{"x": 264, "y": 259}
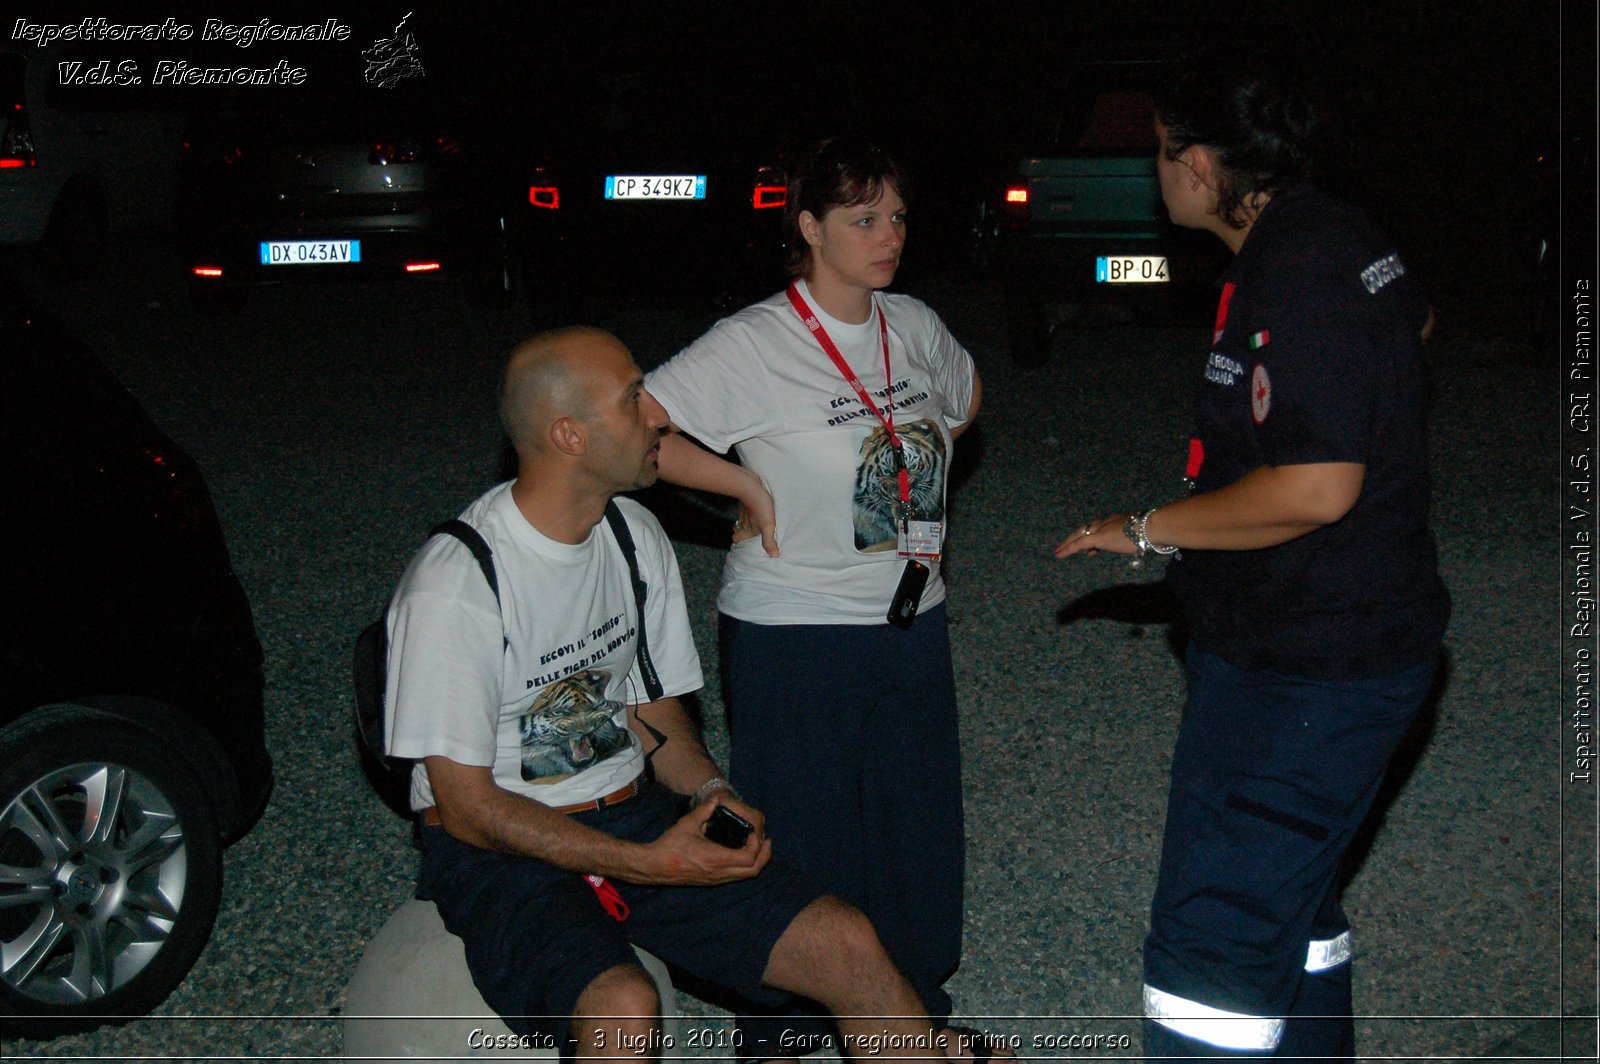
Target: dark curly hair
{"x": 1254, "y": 111}
{"x": 841, "y": 172}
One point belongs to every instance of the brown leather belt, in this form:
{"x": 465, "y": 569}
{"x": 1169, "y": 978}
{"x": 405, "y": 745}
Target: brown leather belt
{"x": 430, "y": 815}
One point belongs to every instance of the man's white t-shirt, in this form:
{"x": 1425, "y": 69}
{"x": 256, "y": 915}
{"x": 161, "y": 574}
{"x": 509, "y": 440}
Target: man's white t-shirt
{"x": 537, "y": 685}
{"x": 759, "y": 382}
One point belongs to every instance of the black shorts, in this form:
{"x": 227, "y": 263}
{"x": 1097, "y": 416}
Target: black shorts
{"x": 536, "y": 935}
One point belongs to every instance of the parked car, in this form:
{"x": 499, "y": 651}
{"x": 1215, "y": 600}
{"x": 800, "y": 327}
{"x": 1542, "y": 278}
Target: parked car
{"x": 132, "y": 744}
{"x": 1076, "y": 219}
{"x": 345, "y": 183}
{"x": 77, "y": 161}
{"x": 657, "y": 178}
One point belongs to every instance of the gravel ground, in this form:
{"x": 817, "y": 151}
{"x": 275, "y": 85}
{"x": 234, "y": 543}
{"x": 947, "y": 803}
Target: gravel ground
{"x": 335, "y": 425}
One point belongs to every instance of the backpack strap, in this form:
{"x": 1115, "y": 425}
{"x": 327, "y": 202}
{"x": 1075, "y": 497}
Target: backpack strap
{"x": 619, "y": 529}
{"x": 479, "y": 547}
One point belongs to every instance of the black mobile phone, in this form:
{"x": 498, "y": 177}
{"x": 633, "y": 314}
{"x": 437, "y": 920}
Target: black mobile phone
{"x": 903, "y": 610}
{"x": 727, "y": 828}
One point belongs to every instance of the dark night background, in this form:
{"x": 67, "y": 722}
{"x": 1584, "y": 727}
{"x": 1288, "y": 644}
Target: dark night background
{"x": 1450, "y": 113}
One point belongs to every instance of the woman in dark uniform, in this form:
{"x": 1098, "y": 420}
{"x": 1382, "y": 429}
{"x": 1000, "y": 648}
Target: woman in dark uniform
{"x": 1307, "y": 575}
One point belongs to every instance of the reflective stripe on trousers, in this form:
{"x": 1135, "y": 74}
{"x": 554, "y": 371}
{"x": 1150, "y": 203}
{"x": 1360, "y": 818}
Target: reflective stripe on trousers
{"x": 1237, "y": 1030}
{"x": 1230, "y": 1030}
{"x": 1328, "y": 953}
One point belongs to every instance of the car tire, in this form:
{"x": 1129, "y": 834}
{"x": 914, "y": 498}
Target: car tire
{"x": 1028, "y": 331}
{"x": 110, "y": 871}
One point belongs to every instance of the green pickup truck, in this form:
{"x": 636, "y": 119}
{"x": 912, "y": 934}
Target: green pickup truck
{"x": 1074, "y": 228}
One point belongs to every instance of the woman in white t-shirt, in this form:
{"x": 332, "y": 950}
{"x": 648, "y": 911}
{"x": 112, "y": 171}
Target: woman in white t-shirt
{"x": 842, "y": 403}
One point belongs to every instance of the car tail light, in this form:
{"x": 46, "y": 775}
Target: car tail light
{"x": 207, "y": 271}
{"x": 772, "y": 189}
{"x": 16, "y": 145}
{"x": 544, "y": 191}
{"x": 1014, "y": 210}
{"x": 421, "y": 267}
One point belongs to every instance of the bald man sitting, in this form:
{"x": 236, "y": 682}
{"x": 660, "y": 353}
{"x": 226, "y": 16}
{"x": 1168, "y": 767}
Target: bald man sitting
{"x": 543, "y": 844}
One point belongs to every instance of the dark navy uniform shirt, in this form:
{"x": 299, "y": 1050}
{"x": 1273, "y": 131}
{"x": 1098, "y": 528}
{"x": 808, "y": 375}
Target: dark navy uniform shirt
{"x": 1318, "y": 359}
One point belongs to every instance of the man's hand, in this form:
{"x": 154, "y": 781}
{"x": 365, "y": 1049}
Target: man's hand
{"x": 757, "y": 818}
{"x": 683, "y": 856}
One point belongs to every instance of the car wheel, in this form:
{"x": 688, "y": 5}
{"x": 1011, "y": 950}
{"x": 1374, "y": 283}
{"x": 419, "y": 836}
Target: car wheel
{"x": 1028, "y": 331}
{"x": 110, "y": 872}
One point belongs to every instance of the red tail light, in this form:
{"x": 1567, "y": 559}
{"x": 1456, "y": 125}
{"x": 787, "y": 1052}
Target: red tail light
{"x": 207, "y": 271}
{"x": 544, "y": 191}
{"x": 421, "y": 267}
{"x": 1017, "y": 194}
{"x": 16, "y": 143}
{"x": 771, "y": 189}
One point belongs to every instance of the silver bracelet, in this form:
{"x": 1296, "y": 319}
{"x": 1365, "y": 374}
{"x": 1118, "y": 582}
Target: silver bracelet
{"x": 715, "y": 783}
{"x": 1144, "y": 539}
{"x": 1134, "y": 529}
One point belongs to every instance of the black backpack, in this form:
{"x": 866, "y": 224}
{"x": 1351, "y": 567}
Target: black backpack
{"x": 391, "y": 776}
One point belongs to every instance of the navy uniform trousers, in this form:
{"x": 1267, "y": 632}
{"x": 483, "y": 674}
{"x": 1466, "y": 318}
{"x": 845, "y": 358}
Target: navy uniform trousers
{"x": 1249, "y": 950}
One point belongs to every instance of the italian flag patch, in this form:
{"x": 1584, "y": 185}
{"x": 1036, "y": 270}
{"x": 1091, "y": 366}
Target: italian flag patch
{"x": 1260, "y": 340}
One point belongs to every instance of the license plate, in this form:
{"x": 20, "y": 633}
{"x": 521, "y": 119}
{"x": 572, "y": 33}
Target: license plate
{"x": 637, "y": 186}
{"x": 310, "y": 252}
{"x": 1131, "y": 269}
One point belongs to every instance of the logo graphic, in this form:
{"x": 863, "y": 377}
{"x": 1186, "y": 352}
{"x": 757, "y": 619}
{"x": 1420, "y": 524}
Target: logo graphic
{"x": 1260, "y": 394}
{"x": 570, "y": 726}
{"x": 393, "y": 59}
{"x": 876, "y": 496}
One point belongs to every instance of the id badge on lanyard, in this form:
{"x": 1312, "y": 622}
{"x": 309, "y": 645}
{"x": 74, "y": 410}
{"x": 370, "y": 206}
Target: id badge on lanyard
{"x": 915, "y": 535}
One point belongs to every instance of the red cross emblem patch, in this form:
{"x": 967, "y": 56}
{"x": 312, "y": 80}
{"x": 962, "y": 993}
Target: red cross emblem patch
{"x": 1260, "y": 393}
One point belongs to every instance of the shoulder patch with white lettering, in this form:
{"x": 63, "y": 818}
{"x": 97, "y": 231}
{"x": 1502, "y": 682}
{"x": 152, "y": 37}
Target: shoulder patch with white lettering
{"x": 1260, "y": 393}
{"x": 1382, "y": 272}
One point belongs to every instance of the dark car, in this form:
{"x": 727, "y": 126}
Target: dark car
{"x": 1074, "y": 223}
{"x": 349, "y": 183}
{"x": 132, "y": 745}
{"x": 658, "y": 177}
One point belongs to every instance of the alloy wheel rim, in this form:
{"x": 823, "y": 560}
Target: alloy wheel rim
{"x": 93, "y": 866}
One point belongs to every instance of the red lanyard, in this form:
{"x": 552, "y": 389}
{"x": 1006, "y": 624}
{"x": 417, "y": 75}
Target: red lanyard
{"x": 886, "y": 415}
